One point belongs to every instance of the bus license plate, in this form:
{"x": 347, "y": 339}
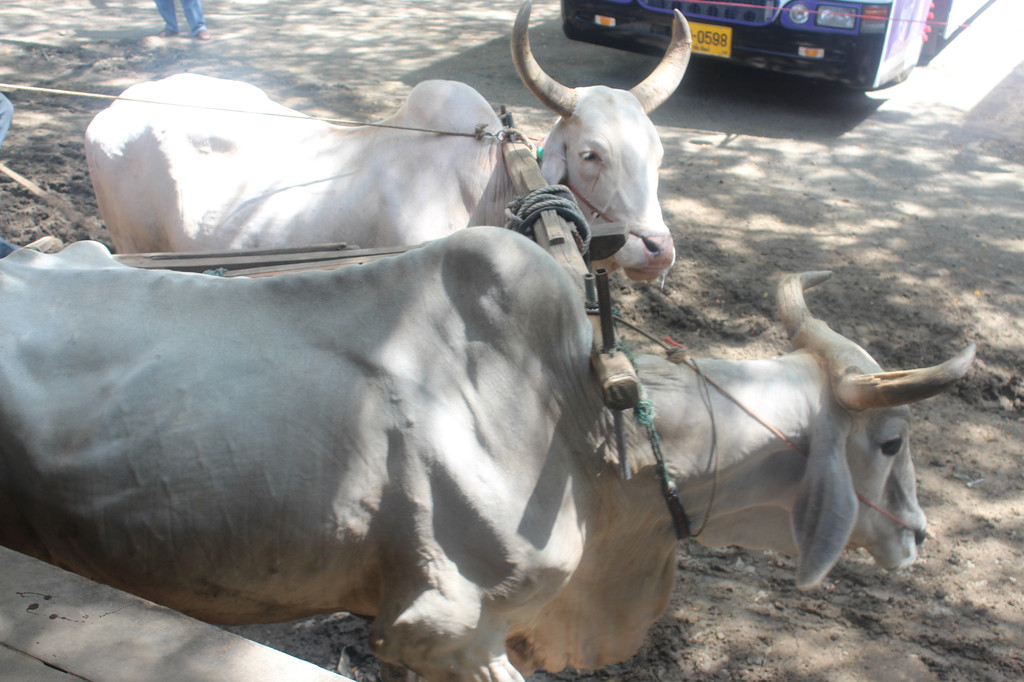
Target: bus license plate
{"x": 712, "y": 40}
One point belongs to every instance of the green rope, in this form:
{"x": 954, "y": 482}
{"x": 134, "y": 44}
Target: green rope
{"x": 644, "y": 414}
{"x": 621, "y": 347}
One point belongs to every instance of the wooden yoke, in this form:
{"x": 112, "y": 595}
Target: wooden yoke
{"x": 620, "y": 385}
{"x": 552, "y": 232}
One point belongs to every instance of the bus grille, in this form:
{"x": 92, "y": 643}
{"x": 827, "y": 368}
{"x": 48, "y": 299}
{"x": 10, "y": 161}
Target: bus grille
{"x": 754, "y": 12}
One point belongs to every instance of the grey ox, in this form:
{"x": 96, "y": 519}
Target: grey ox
{"x": 172, "y": 178}
{"x": 420, "y": 440}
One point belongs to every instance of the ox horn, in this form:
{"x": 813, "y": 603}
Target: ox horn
{"x": 551, "y": 93}
{"x": 887, "y": 389}
{"x": 857, "y": 380}
{"x": 651, "y": 93}
{"x": 665, "y": 78}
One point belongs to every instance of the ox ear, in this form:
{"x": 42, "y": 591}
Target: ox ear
{"x": 553, "y": 165}
{"x": 826, "y": 508}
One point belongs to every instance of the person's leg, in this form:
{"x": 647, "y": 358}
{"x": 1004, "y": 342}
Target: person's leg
{"x": 193, "y": 10}
{"x": 6, "y": 114}
{"x": 7, "y": 248}
{"x": 166, "y": 9}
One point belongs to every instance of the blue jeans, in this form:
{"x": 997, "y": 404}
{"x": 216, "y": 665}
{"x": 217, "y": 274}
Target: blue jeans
{"x": 7, "y": 248}
{"x": 6, "y": 114}
{"x": 193, "y": 10}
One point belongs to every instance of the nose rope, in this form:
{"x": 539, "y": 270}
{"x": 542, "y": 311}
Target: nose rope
{"x": 778, "y": 434}
{"x": 889, "y": 515}
{"x": 598, "y": 212}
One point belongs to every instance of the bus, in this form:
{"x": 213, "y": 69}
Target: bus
{"x": 868, "y": 45}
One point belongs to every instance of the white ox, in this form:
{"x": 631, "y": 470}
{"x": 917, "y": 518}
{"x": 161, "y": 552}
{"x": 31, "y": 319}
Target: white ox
{"x": 432, "y": 451}
{"x": 173, "y": 178}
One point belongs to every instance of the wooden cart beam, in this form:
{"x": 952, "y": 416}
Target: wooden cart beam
{"x": 552, "y": 232}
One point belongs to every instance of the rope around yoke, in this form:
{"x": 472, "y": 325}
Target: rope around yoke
{"x": 522, "y": 212}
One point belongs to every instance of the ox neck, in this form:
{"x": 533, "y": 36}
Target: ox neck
{"x": 721, "y": 459}
{"x": 498, "y": 192}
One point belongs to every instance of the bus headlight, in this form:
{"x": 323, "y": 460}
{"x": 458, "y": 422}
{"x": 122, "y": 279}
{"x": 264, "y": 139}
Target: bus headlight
{"x": 836, "y": 17}
{"x": 799, "y": 14}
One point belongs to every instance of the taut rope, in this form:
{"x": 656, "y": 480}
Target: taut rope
{"x": 478, "y": 133}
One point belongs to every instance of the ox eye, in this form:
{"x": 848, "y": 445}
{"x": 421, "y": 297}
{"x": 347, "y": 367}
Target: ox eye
{"x": 590, "y": 156}
{"x": 891, "y": 447}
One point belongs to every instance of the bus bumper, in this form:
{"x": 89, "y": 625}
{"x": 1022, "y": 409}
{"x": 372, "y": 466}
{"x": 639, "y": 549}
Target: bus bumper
{"x": 849, "y": 59}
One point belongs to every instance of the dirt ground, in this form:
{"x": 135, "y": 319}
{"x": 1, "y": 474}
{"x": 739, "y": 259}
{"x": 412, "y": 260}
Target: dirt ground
{"x": 913, "y": 196}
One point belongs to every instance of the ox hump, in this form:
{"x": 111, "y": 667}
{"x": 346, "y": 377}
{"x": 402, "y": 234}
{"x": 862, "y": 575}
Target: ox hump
{"x": 78, "y": 255}
{"x": 480, "y": 259}
{"x": 446, "y": 105}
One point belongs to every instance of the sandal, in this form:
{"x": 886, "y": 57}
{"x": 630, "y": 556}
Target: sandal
{"x": 166, "y": 34}
{"x": 203, "y": 35}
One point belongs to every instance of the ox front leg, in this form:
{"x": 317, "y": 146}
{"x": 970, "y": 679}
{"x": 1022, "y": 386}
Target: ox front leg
{"x": 445, "y": 638}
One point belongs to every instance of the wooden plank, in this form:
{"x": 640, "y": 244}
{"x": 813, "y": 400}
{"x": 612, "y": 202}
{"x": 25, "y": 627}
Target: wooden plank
{"x": 331, "y": 247}
{"x": 200, "y": 261}
{"x": 256, "y": 262}
{"x": 358, "y": 257}
{"x": 52, "y": 200}
{"x": 104, "y": 635}
{"x": 24, "y": 182}
{"x": 619, "y": 384}
{"x": 606, "y": 239}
